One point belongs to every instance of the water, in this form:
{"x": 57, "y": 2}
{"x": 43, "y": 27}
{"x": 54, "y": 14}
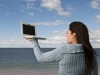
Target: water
{"x": 22, "y": 61}
{"x": 18, "y": 57}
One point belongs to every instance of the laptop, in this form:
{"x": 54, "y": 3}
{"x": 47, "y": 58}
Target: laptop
{"x": 29, "y": 31}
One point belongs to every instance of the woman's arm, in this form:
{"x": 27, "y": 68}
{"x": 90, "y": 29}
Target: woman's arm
{"x": 51, "y": 56}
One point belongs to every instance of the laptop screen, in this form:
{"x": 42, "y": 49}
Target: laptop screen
{"x": 27, "y": 29}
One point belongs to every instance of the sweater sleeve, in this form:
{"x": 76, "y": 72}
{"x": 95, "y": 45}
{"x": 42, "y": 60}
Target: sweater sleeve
{"x": 50, "y": 56}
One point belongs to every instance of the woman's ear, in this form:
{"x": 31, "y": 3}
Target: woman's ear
{"x": 74, "y": 35}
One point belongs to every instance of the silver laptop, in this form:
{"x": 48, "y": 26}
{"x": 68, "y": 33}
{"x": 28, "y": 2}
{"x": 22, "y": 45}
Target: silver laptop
{"x": 29, "y": 31}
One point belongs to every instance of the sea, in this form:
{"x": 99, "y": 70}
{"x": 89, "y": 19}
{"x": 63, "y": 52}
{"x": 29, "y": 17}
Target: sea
{"x": 22, "y": 61}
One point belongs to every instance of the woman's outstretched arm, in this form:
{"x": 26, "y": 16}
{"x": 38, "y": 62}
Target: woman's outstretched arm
{"x": 51, "y": 56}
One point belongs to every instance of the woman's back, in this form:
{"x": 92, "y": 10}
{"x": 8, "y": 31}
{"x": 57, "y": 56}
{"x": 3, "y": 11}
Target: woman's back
{"x": 73, "y": 61}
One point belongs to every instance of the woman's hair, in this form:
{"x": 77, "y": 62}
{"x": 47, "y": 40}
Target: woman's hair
{"x": 82, "y": 37}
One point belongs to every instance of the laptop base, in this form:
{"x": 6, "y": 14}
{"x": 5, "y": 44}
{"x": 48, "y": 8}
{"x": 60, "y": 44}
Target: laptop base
{"x": 34, "y": 37}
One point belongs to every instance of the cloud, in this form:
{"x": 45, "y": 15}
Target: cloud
{"x": 53, "y": 23}
{"x": 10, "y": 13}
{"x": 95, "y": 36}
{"x": 30, "y": 4}
{"x": 97, "y": 18}
{"x": 70, "y": 7}
{"x": 22, "y": 10}
{"x": 14, "y": 43}
{"x": 52, "y": 5}
{"x": 31, "y": 14}
{"x": 59, "y": 37}
{"x": 59, "y": 33}
{"x": 28, "y": 7}
{"x": 98, "y": 0}
{"x": 56, "y": 39}
{"x": 55, "y": 5}
{"x": 95, "y": 4}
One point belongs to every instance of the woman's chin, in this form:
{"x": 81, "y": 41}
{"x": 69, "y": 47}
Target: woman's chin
{"x": 68, "y": 42}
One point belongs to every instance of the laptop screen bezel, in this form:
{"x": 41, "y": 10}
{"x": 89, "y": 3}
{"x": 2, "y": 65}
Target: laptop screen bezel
{"x": 22, "y": 28}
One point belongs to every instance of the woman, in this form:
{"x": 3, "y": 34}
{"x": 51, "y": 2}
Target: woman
{"x": 77, "y": 57}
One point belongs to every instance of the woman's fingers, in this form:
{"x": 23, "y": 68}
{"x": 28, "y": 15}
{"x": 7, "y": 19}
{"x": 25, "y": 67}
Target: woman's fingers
{"x": 29, "y": 39}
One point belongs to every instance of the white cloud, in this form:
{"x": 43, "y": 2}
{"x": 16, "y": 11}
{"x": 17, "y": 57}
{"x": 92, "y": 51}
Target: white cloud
{"x": 59, "y": 33}
{"x": 98, "y": 0}
{"x": 55, "y": 5}
{"x": 95, "y": 37}
{"x": 29, "y": 0}
{"x": 14, "y": 43}
{"x": 97, "y": 18}
{"x": 95, "y": 4}
{"x": 60, "y": 38}
{"x": 22, "y": 10}
{"x": 31, "y": 14}
{"x": 70, "y": 7}
{"x": 30, "y": 4}
{"x": 53, "y": 23}
{"x": 10, "y": 13}
{"x": 57, "y": 38}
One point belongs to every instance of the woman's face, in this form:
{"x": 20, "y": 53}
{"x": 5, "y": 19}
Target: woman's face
{"x": 69, "y": 37}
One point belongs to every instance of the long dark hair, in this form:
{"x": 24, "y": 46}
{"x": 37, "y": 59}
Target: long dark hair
{"x": 82, "y": 36}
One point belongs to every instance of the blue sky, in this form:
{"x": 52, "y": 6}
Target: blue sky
{"x": 51, "y": 17}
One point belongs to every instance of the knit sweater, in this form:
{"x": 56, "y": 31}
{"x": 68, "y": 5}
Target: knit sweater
{"x": 70, "y": 58}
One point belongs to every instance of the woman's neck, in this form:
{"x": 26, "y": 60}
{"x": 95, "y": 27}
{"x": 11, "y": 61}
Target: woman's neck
{"x": 75, "y": 42}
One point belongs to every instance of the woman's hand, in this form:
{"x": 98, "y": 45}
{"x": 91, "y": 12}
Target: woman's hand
{"x": 29, "y": 39}
{"x": 33, "y": 40}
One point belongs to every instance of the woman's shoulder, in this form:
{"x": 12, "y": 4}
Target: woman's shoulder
{"x": 72, "y": 48}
